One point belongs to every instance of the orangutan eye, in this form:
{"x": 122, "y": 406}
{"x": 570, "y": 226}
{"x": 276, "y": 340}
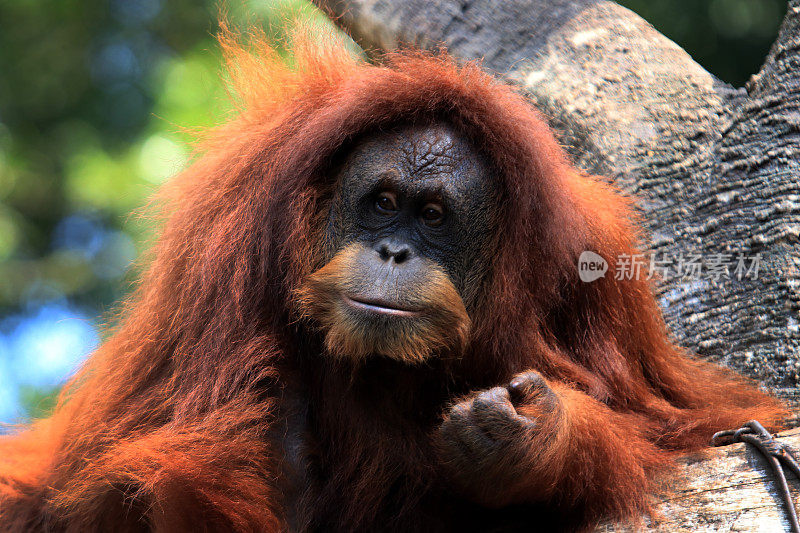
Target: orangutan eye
{"x": 386, "y": 203}
{"x": 432, "y": 214}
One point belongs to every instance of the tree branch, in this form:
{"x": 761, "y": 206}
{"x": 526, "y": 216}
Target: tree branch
{"x": 732, "y": 488}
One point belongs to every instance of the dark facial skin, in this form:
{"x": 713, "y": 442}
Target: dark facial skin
{"x": 415, "y": 193}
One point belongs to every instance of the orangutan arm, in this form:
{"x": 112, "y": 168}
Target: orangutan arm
{"x": 535, "y": 441}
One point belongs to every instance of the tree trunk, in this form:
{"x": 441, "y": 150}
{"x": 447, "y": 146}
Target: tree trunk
{"x": 714, "y": 170}
{"x": 729, "y": 489}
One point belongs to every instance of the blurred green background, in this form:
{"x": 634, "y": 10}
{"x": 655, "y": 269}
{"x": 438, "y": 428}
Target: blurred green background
{"x": 97, "y": 101}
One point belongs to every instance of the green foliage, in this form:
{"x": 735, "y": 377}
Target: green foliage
{"x": 38, "y": 402}
{"x": 98, "y": 103}
{"x": 730, "y": 38}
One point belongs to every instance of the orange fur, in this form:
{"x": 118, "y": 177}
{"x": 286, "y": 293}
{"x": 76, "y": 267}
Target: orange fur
{"x": 171, "y": 422}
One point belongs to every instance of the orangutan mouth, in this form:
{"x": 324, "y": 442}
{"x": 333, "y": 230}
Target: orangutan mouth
{"x": 378, "y": 306}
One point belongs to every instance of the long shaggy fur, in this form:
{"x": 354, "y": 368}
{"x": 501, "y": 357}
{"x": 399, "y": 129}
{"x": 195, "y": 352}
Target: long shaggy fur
{"x": 169, "y": 423}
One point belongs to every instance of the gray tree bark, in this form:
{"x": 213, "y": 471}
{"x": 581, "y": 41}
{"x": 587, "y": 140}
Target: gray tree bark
{"x": 714, "y": 168}
{"x": 729, "y": 489}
